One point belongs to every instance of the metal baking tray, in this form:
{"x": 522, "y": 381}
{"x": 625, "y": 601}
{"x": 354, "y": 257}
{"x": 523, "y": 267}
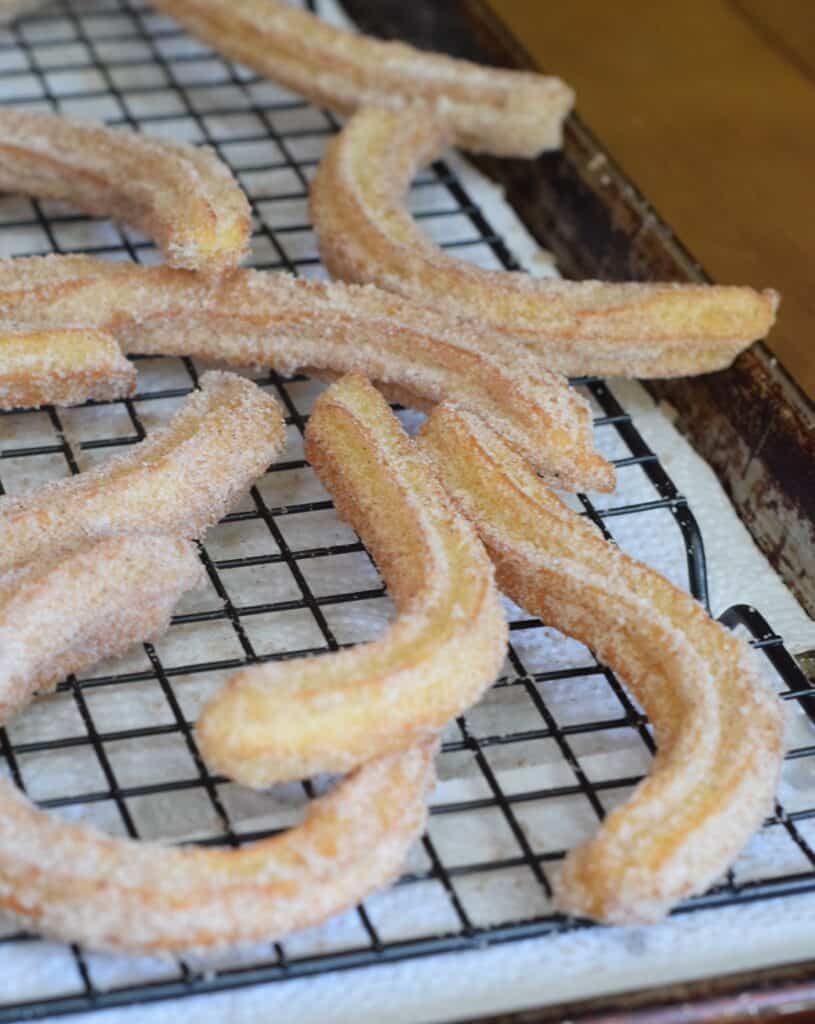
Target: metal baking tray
{"x": 273, "y": 564}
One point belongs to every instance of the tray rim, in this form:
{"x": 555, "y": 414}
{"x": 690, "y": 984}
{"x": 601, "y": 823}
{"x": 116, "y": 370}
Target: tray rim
{"x": 743, "y": 995}
{"x": 752, "y": 423}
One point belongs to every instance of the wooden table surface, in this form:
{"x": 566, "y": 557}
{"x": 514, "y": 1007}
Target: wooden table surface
{"x": 709, "y": 106}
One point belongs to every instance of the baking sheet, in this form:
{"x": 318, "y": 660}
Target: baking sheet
{"x": 119, "y": 61}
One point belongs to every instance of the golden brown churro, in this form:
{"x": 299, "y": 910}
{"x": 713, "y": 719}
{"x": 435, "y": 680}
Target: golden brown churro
{"x": 282, "y": 721}
{"x": 185, "y": 198}
{"x": 67, "y": 611}
{"x": 75, "y": 883}
{"x": 367, "y": 235}
{"x": 511, "y": 113}
{"x": 60, "y": 367}
{"x": 717, "y": 724}
{"x": 179, "y": 481}
{"x": 63, "y": 612}
{"x": 274, "y": 320}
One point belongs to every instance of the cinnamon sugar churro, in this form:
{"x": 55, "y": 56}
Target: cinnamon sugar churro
{"x": 273, "y": 320}
{"x": 77, "y": 884}
{"x": 60, "y": 367}
{"x": 717, "y": 723}
{"x": 286, "y": 720}
{"x": 62, "y": 612}
{"x": 179, "y": 481}
{"x": 511, "y": 113}
{"x": 68, "y": 610}
{"x": 367, "y": 235}
{"x": 183, "y": 197}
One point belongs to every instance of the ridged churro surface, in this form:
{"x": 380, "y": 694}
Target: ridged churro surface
{"x": 717, "y": 725}
{"x": 510, "y": 113}
{"x": 367, "y": 235}
{"x": 179, "y": 481}
{"x": 61, "y": 367}
{"x": 77, "y": 884}
{"x": 257, "y": 318}
{"x": 182, "y": 196}
{"x": 289, "y": 719}
{"x": 70, "y": 609}
{"x": 66, "y": 609}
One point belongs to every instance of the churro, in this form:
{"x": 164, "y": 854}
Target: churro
{"x": 60, "y": 367}
{"x": 77, "y": 884}
{"x": 65, "y": 612}
{"x": 510, "y": 113}
{"x": 255, "y": 318}
{"x": 283, "y": 721}
{"x": 717, "y": 723}
{"x": 367, "y": 235}
{"x": 179, "y": 481}
{"x": 183, "y": 197}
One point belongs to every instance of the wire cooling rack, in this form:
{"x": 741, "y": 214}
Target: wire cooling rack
{"x": 554, "y": 746}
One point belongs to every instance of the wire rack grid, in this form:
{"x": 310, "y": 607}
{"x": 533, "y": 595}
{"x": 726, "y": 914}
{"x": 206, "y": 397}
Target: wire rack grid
{"x": 555, "y": 745}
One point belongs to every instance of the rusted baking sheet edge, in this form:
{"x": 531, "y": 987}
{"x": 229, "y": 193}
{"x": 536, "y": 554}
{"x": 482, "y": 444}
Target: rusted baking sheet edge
{"x": 751, "y": 423}
{"x": 787, "y": 992}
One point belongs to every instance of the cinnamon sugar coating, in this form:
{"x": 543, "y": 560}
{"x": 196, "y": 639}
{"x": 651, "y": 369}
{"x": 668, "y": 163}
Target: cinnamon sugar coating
{"x": 256, "y": 318}
{"x": 179, "y": 481}
{"x": 510, "y": 113}
{"x": 77, "y": 884}
{"x": 367, "y": 235}
{"x": 183, "y": 197}
{"x": 285, "y": 720}
{"x": 60, "y": 367}
{"x": 717, "y": 724}
{"x": 70, "y": 609}
{"x": 65, "y": 610}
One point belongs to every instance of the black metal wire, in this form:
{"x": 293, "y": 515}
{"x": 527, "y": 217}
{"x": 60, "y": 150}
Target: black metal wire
{"x": 138, "y": 43}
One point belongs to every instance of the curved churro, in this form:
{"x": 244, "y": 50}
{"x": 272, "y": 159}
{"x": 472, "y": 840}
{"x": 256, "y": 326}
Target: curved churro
{"x": 275, "y": 722}
{"x": 72, "y": 609}
{"x": 77, "y": 884}
{"x": 185, "y": 198}
{"x": 718, "y": 725}
{"x": 367, "y": 235}
{"x": 60, "y": 367}
{"x": 179, "y": 481}
{"x": 510, "y": 113}
{"x": 256, "y": 318}
{"x": 73, "y": 882}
